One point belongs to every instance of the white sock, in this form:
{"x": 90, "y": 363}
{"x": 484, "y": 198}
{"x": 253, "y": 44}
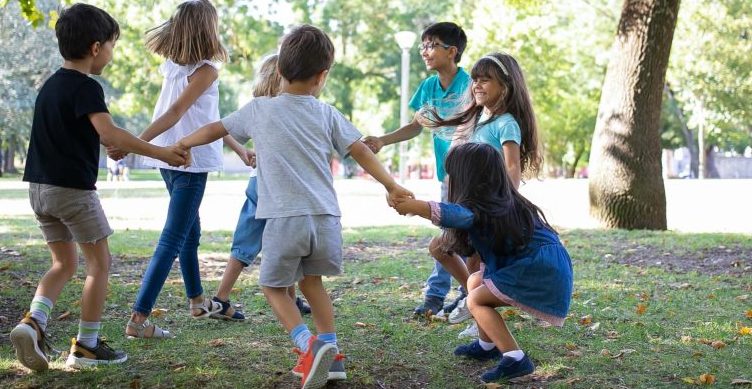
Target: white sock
{"x": 515, "y": 354}
{"x": 486, "y": 346}
{"x": 40, "y": 310}
{"x": 88, "y": 331}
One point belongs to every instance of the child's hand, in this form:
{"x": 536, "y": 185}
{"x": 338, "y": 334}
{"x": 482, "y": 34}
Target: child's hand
{"x": 396, "y": 193}
{"x": 176, "y": 156}
{"x": 115, "y": 153}
{"x": 374, "y": 143}
{"x": 248, "y": 157}
{"x": 405, "y": 206}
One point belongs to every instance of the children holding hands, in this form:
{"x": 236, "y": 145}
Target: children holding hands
{"x": 294, "y": 135}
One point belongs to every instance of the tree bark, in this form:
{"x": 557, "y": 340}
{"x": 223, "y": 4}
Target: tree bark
{"x": 626, "y": 185}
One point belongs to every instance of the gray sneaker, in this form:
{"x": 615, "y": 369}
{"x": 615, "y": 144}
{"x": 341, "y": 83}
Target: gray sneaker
{"x": 337, "y": 370}
{"x": 460, "y": 313}
{"x": 470, "y": 332}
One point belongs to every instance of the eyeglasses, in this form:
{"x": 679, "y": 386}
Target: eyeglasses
{"x": 432, "y": 45}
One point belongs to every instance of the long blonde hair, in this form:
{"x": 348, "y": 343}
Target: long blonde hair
{"x": 268, "y": 80}
{"x": 189, "y": 36}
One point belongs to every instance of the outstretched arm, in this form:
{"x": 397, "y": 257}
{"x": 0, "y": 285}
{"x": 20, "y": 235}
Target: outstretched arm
{"x": 204, "y": 135}
{"x": 407, "y": 206}
{"x": 367, "y": 160}
{"x": 113, "y": 136}
{"x": 408, "y": 131}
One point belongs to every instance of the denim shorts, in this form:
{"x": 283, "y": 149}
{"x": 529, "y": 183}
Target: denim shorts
{"x": 67, "y": 214}
{"x": 246, "y": 241}
{"x": 299, "y": 246}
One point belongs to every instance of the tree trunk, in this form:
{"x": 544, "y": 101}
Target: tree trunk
{"x": 8, "y": 157}
{"x": 626, "y": 185}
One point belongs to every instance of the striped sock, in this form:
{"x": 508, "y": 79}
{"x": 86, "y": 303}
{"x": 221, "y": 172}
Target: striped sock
{"x": 88, "y": 331}
{"x": 300, "y": 336}
{"x": 40, "y": 310}
{"x": 329, "y": 337}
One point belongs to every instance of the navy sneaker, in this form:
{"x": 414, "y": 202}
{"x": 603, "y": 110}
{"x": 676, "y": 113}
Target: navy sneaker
{"x": 303, "y": 307}
{"x": 508, "y": 368}
{"x": 431, "y": 303}
{"x": 474, "y": 351}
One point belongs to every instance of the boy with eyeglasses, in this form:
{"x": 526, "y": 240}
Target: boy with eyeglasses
{"x": 442, "y": 45}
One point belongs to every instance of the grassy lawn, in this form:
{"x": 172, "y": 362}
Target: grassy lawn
{"x": 650, "y": 309}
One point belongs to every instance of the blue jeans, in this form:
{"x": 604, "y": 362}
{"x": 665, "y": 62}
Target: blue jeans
{"x": 246, "y": 241}
{"x": 180, "y": 238}
{"x": 440, "y": 281}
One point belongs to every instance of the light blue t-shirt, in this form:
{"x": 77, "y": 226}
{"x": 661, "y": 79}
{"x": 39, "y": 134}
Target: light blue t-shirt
{"x": 447, "y": 102}
{"x": 500, "y": 130}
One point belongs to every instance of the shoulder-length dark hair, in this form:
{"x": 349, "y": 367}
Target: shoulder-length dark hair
{"x": 478, "y": 180}
{"x": 515, "y": 100}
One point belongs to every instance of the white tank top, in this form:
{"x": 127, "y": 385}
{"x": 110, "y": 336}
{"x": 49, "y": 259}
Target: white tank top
{"x": 204, "y": 110}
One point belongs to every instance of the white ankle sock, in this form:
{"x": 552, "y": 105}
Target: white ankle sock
{"x": 486, "y": 346}
{"x": 515, "y": 354}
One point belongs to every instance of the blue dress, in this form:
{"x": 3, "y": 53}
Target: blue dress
{"x": 536, "y": 279}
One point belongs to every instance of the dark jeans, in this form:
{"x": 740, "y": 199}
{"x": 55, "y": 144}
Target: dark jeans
{"x": 180, "y": 238}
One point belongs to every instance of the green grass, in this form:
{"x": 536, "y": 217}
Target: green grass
{"x": 385, "y": 346}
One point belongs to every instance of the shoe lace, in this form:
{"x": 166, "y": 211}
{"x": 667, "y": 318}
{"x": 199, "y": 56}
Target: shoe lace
{"x": 106, "y": 347}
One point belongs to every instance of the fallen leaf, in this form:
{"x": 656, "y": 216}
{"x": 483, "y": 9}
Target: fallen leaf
{"x": 574, "y": 353}
{"x": 64, "y": 315}
{"x": 743, "y": 297}
{"x": 5, "y": 267}
{"x": 718, "y": 344}
{"x": 217, "y": 343}
{"x": 689, "y": 380}
{"x": 605, "y": 353}
{"x": 586, "y": 320}
{"x": 697, "y": 354}
{"x": 686, "y": 339}
{"x": 739, "y": 381}
{"x": 507, "y": 313}
{"x": 570, "y": 346}
{"x": 439, "y": 318}
{"x": 404, "y": 287}
{"x": 644, "y": 296}
{"x": 594, "y": 327}
{"x": 573, "y": 380}
{"x": 641, "y": 308}
{"x": 745, "y": 331}
{"x": 706, "y": 379}
{"x": 711, "y": 296}
{"x": 623, "y": 352}
{"x": 135, "y": 384}
{"x": 158, "y": 312}
{"x": 612, "y": 335}
{"x": 748, "y": 314}
{"x": 704, "y": 341}
{"x": 360, "y": 324}
{"x": 680, "y": 286}
{"x": 492, "y": 385}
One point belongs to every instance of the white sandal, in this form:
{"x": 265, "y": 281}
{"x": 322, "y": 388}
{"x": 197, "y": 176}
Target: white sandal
{"x": 208, "y": 308}
{"x": 141, "y": 331}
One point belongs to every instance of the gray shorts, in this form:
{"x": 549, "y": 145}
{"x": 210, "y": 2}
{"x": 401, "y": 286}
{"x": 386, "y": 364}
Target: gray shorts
{"x": 300, "y": 246}
{"x": 66, "y": 214}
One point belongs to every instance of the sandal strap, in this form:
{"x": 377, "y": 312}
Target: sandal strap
{"x": 141, "y": 330}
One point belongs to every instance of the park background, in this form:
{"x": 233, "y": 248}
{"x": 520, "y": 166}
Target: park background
{"x": 651, "y": 308}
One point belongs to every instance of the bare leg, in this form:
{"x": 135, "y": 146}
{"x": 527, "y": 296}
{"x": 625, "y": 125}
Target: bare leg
{"x": 98, "y": 262}
{"x": 491, "y": 326}
{"x": 64, "y": 264}
{"x": 291, "y": 292}
{"x": 321, "y": 305}
{"x": 453, "y": 263}
{"x": 283, "y": 306}
{"x": 232, "y": 272}
{"x": 473, "y": 263}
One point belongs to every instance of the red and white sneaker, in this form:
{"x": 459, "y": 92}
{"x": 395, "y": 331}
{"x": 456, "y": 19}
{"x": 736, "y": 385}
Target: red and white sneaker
{"x": 314, "y": 364}
{"x": 336, "y": 370}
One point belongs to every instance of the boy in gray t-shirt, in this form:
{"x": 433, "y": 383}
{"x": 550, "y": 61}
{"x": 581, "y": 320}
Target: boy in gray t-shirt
{"x": 294, "y": 135}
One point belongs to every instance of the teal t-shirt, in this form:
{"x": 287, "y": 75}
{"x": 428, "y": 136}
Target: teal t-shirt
{"x": 497, "y": 132}
{"x": 447, "y": 102}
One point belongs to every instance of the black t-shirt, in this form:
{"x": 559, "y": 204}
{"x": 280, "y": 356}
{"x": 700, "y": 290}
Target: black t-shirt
{"x": 64, "y": 146}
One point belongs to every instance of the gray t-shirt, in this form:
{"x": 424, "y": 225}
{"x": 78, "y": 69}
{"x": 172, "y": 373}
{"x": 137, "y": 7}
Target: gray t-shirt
{"x": 294, "y": 137}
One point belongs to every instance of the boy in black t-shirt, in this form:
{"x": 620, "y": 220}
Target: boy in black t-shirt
{"x": 70, "y": 121}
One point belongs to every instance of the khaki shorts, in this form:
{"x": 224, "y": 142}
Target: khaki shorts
{"x": 67, "y": 214}
{"x": 300, "y": 246}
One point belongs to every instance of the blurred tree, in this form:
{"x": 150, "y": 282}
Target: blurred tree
{"x": 626, "y": 185}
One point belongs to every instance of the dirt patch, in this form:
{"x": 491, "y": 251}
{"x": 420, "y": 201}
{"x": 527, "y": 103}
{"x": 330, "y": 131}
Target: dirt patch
{"x": 733, "y": 260}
